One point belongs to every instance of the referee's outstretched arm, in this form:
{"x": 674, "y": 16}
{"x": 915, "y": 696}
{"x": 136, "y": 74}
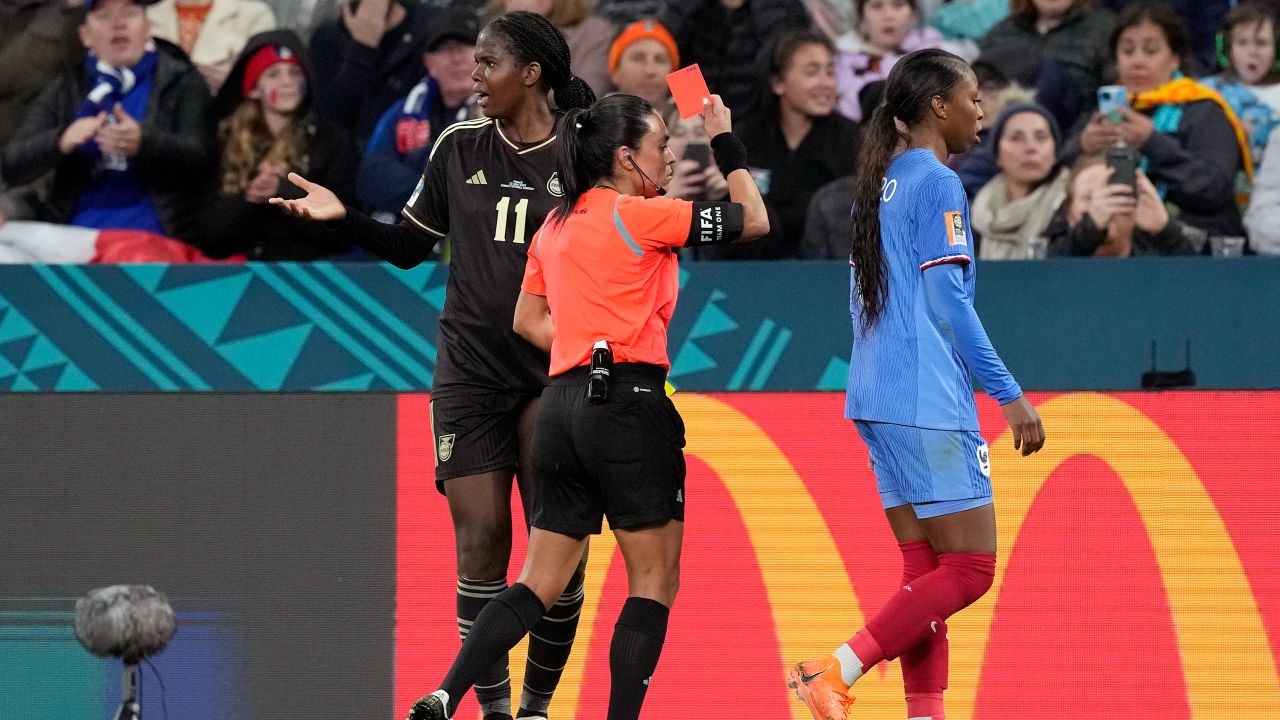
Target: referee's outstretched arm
{"x": 731, "y": 157}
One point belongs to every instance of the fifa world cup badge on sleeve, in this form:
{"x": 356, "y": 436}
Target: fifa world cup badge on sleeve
{"x": 956, "y": 234}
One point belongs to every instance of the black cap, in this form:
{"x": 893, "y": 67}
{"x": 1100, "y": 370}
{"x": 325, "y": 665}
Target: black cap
{"x": 452, "y": 24}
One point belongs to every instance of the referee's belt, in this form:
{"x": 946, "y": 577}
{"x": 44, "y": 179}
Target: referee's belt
{"x": 618, "y": 373}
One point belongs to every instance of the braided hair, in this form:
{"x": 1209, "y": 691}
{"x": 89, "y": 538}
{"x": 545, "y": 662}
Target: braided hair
{"x": 531, "y": 38}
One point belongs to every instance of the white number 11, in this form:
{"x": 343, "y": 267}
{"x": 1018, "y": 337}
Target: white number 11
{"x": 522, "y": 208}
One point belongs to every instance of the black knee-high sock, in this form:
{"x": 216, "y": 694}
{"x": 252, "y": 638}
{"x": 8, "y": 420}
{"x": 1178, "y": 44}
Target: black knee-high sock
{"x": 637, "y": 642}
{"x": 493, "y": 686}
{"x": 500, "y": 625}
{"x": 550, "y": 643}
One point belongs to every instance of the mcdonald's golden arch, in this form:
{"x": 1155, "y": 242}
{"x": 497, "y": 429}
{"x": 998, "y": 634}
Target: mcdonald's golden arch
{"x": 1137, "y": 573}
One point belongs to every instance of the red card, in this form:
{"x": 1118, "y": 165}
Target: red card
{"x": 689, "y": 89}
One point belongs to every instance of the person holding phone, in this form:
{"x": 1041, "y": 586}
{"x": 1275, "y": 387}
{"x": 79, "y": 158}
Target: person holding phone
{"x": 1108, "y": 215}
{"x": 598, "y": 293}
{"x": 695, "y": 175}
{"x": 641, "y": 57}
{"x": 1189, "y": 142}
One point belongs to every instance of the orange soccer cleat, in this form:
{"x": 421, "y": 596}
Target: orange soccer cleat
{"x": 819, "y": 686}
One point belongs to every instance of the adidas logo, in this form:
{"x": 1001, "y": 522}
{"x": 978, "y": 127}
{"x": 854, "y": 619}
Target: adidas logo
{"x": 477, "y": 179}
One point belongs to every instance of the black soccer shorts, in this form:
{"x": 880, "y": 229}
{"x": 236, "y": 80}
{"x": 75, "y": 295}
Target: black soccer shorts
{"x": 476, "y": 433}
{"x": 622, "y": 459}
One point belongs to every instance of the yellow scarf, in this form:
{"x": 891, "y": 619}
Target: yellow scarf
{"x": 1183, "y": 90}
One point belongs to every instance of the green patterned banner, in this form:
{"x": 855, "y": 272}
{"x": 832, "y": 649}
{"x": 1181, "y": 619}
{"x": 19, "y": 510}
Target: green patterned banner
{"x": 738, "y": 326}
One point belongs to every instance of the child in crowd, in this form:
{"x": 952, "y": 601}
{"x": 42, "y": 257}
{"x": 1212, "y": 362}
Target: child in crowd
{"x": 266, "y": 131}
{"x": 1250, "y": 79}
{"x": 886, "y": 30}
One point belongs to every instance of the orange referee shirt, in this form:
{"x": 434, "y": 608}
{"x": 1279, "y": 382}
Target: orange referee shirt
{"x": 609, "y": 272}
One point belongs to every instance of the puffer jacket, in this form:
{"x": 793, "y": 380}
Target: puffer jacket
{"x": 175, "y": 160}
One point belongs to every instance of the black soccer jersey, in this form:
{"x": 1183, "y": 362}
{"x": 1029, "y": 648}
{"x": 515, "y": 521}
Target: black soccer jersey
{"x": 488, "y": 195}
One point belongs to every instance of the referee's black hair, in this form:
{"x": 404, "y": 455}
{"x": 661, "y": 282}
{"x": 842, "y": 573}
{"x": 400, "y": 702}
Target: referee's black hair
{"x": 913, "y": 83}
{"x": 588, "y": 139}
{"x": 532, "y": 38}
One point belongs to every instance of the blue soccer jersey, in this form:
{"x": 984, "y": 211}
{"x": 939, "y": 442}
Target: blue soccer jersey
{"x": 913, "y": 367}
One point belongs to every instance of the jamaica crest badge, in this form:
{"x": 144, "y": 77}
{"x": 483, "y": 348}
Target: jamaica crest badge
{"x": 444, "y": 449}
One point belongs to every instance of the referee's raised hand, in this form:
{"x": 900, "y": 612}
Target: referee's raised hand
{"x": 318, "y": 204}
{"x": 716, "y": 117}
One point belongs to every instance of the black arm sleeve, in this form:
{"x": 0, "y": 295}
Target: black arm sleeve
{"x": 714, "y": 223}
{"x": 401, "y": 245}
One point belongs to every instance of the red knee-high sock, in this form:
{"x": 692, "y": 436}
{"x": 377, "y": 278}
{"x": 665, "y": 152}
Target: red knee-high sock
{"x": 924, "y": 667}
{"x": 920, "y": 609}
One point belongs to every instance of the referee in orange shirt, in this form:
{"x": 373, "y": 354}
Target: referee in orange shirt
{"x": 599, "y": 291}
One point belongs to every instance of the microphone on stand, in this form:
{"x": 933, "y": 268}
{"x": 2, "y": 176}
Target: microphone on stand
{"x": 130, "y": 622}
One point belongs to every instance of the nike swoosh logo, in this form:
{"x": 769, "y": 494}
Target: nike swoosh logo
{"x": 807, "y": 678}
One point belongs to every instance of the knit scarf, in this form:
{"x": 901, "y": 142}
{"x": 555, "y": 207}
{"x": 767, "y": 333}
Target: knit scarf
{"x": 1005, "y": 228}
{"x": 1169, "y": 99}
{"x": 108, "y": 85}
{"x": 116, "y": 196}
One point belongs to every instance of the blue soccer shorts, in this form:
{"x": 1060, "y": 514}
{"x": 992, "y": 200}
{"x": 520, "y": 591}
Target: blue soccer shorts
{"x": 938, "y": 472}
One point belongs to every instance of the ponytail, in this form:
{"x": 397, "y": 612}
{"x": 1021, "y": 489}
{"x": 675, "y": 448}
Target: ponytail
{"x": 532, "y": 38}
{"x": 574, "y": 180}
{"x": 913, "y": 83}
{"x": 574, "y": 92}
{"x": 586, "y": 142}
{"x": 881, "y": 137}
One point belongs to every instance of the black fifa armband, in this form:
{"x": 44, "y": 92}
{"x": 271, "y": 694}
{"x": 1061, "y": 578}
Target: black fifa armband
{"x": 714, "y": 222}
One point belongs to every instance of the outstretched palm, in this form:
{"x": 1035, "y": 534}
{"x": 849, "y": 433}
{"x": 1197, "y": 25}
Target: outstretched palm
{"x": 318, "y": 204}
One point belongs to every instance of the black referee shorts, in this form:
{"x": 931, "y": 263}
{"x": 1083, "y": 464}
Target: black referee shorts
{"x": 476, "y": 433}
{"x": 622, "y": 458}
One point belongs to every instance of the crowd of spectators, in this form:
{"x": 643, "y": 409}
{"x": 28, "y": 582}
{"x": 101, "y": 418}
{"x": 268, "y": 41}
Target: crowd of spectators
{"x": 180, "y": 118}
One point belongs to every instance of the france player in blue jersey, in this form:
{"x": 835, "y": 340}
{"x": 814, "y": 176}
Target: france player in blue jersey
{"x": 917, "y": 340}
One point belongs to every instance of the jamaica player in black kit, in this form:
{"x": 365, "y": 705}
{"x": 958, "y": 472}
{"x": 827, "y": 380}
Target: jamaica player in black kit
{"x": 487, "y": 187}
